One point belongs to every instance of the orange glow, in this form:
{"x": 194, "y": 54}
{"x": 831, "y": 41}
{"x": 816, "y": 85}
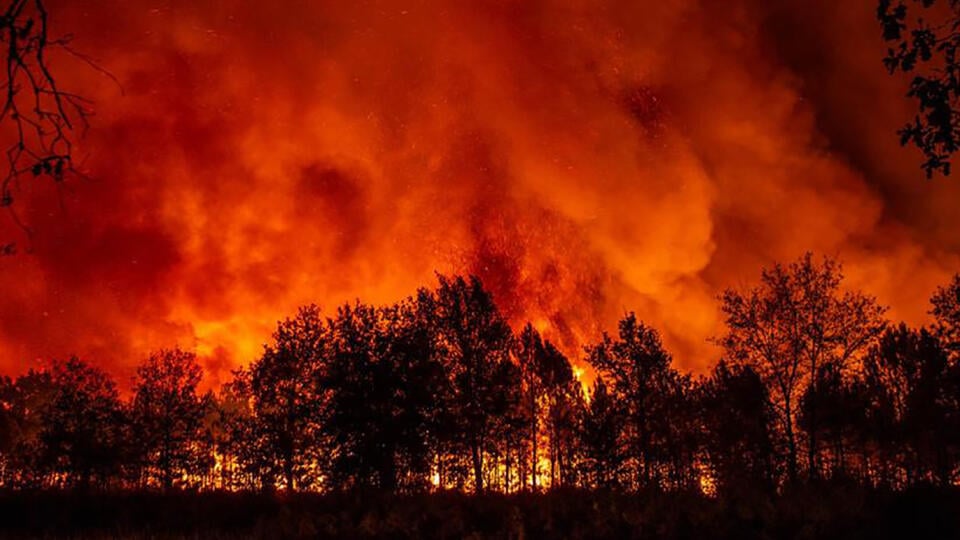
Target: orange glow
{"x": 583, "y": 158}
{"x": 708, "y": 485}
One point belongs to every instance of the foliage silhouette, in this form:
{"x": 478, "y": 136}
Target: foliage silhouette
{"x": 166, "y": 417}
{"x": 651, "y": 391}
{"x": 80, "y": 436}
{"x": 289, "y": 402}
{"x": 795, "y": 322}
{"x": 738, "y": 420}
{"x": 474, "y": 340}
{"x": 923, "y": 40}
{"x": 435, "y": 393}
{"x": 43, "y": 119}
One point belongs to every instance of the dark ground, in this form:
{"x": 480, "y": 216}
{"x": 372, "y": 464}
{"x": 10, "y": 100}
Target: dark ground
{"x": 807, "y": 512}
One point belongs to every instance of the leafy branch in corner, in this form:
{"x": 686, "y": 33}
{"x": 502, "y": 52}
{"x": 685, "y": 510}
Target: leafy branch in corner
{"x": 41, "y": 118}
{"x": 927, "y": 47}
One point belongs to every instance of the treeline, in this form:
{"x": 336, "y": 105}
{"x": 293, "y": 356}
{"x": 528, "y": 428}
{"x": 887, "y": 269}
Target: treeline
{"x": 438, "y": 392}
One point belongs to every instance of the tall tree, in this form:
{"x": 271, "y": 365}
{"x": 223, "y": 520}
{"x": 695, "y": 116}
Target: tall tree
{"x": 601, "y": 431}
{"x": 841, "y": 406}
{"x": 506, "y": 427}
{"x": 547, "y": 379}
{"x": 382, "y": 377}
{"x": 225, "y": 412}
{"x": 8, "y": 426}
{"x": 418, "y": 391}
{"x": 797, "y": 319}
{"x": 738, "y": 422}
{"x": 639, "y": 371}
{"x": 474, "y": 339}
{"x": 245, "y": 448}
{"x": 81, "y": 434}
{"x": 528, "y": 349}
{"x": 167, "y": 416}
{"x": 561, "y": 393}
{"x": 288, "y": 401}
{"x": 24, "y": 402}
{"x": 913, "y": 369}
{"x": 565, "y": 403}
{"x": 360, "y": 403}
{"x": 681, "y": 433}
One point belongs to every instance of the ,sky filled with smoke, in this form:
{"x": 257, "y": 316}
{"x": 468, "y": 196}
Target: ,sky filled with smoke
{"x": 584, "y": 158}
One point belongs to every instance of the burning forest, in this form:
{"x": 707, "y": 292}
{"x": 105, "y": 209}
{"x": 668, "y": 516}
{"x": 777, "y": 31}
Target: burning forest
{"x": 396, "y": 254}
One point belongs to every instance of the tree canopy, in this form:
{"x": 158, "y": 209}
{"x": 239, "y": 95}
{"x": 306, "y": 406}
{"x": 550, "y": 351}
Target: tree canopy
{"x": 437, "y": 392}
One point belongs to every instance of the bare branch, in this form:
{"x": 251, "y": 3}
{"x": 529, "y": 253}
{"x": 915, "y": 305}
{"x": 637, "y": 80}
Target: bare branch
{"x": 43, "y": 117}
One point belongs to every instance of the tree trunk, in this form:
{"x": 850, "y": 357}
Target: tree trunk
{"x": 791, "y": 442}
{"x": 506, "y": 475}
{"x": 288, "y": 469}
{"x": 440, "y": 476}
{"x": 813, "y": 471}
{"x": 522, "y": 467}
{"x": 477, "y": 467}
{"x": 388, "y": 473}
{"x": 165, "y": 467}
{"x": 534, "y": 462}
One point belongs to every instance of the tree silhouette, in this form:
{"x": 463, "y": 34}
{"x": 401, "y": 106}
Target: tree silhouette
{"x": 795, "y": 321}
{"x": 381, "y": 378}
{"x": 474, "y": 339}
{"x": 681, "y": 433}
{"x": 601, "y": 432}
{"x": 24, "y": 402}
{"x": 840, "y": 406}
{"x": 641, "y": 377}
{"x": 506, "y": 427}
{"x": 563, "y": 395}
{"x": 913, "y": 369}
{"x": 167, "y": 416}
{"x": 246, "y": 454}
{"x": 924, "y": 41}
{"x": 738, "y": 419}
{"x": 546, "y": 379}
{"x": 9, "y": 427}
{"x": 436, "y": 390}
{"x": 418, "y": 389}
{"x": 528, "y": 349}
{"x": 289, "y": 402}
{"x": 946, "y": 312}
{"x": 81, "y": 436}
{"x": 224, "y": 415}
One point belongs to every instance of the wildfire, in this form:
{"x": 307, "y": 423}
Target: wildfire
{"x": 584, "y": 159}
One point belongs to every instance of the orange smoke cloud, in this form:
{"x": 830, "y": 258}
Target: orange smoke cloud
{"x": 583, "y": 158}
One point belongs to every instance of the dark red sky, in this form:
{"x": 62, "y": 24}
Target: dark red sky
{"x": 584, "y": 158}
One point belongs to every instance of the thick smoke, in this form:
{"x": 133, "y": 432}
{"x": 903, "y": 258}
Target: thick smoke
{"x": 584, "y": 158}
